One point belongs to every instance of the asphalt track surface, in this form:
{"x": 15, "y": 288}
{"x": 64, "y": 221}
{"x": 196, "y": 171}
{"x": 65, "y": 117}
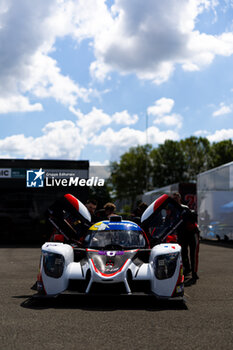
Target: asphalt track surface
{"x": 205, "y": 321}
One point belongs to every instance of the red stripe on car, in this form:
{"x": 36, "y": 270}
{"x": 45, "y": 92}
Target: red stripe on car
{"x": 72, "y": 200}
{"x": 110, "y": 275}
{"x": 160, "y": 201}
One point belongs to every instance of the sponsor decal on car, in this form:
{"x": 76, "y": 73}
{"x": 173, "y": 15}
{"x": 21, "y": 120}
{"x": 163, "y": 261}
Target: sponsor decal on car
{"x": 100, "y": 226}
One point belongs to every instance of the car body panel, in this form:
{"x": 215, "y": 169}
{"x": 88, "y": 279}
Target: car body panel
{"x": 78, "y": 271}
{"x": 115, "y": 254}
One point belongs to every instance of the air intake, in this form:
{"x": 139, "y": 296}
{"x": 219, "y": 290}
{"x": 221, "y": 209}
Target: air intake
{"x": 115, "y": 218}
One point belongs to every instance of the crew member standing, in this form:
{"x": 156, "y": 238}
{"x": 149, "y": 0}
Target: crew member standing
{"x": 188, "y": 238}
{"x": 109, "y": 210}
{"x": 91, "y": 205}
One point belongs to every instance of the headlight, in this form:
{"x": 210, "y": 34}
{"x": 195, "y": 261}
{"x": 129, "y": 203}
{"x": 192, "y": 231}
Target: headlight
{"x": 53, "y": 264}
{"x": 165, "y": 265}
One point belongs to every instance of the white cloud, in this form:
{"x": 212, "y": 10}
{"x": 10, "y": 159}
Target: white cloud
{"x": 65, "y": 139}
{"x": 160, "y": 111}
{"x": 18, "y": 103}
{"x": 47, "y": 81}
{"x": 202, "y": 133}
{"x": 124, "y": 118}
{"x": 118, "y": 142}
{"x": 99, "y": 70}
{"x": 59, "y": 140}
{"x": 162, "y": 106}
{"x": 28, "y": 32}
{"x": 96, "y": 119}
{"x": 156, "y": 136}
{"x": 146, "y": 38}
{"x": 125, "y": 138}
{"x": 150, "y": 39}
{"x": 91, "y": 122}
{"x": 97, "y": 163}
{"x": 220, "y": 135}
{"x": 222, "y": 110}
{"x": 170, "y": 120}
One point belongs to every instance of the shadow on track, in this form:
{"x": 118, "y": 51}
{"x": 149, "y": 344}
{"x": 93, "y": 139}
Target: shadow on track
{"x": 102, "y": 303}
{"x": 225, "y": 244}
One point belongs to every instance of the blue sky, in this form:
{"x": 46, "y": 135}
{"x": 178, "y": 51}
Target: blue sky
{"x": 78, "y": 77}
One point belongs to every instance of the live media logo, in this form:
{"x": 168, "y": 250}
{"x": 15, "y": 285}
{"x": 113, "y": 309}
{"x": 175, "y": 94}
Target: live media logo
{"x": 38, "y": 178}
{"x": 35, "y": 178}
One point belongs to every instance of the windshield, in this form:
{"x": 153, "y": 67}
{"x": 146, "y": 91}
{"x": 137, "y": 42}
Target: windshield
{"x": 122, "y": 238}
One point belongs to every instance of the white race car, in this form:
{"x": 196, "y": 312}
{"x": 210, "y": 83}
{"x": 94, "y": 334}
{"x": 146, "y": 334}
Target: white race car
{"x": 115, "y": 256}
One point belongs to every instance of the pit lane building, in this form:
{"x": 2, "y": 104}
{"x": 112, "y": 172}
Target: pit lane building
{"x": 23, "y": 203}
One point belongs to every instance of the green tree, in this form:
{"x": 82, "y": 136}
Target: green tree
{"x": 168, "y": 164}
{"x": 130, "y": 177}
{"x": 221, "y": 153}
{"x": 196, "y": 152}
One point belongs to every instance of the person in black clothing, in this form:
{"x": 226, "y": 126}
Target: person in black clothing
{"x": 137, "y": 213}
{"x": 106, "y": 212}
{"x": 109, "y": 209}
{"x": 91, "y": 205}
{"x": 188, "y": 238}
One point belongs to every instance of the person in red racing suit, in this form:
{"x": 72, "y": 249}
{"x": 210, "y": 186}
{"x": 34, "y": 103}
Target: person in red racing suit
{"x": 188, "y": 238}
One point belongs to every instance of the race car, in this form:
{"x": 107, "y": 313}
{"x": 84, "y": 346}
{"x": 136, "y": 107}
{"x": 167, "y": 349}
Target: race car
{"x": 113, "y": 256}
